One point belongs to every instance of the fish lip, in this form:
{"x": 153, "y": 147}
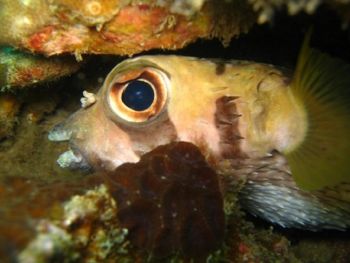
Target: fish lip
{"x": 73, "y": 160}
{"x": 59, "y": 133}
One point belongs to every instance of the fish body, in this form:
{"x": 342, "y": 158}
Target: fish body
{"x": 247, "y": 115}
{"x": 229, "y": 114}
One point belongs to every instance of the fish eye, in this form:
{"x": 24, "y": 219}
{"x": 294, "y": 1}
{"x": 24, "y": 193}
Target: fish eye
{"x": 138, "y": 95}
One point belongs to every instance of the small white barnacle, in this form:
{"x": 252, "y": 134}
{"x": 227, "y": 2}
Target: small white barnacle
{"x": 88, "y": 99}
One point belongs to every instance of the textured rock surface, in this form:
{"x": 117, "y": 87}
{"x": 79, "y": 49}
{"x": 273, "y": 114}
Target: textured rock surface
{"x": 127, "y": 27}
{"x": 117, "y": 27}
{"x": 20, "y": 70}
{"x": 22, "y": 213}
{"x": 121, "y": 27}
{"x": 86, "y": 231}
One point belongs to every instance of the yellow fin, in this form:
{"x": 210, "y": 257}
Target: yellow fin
{"x": 322, "y": 85}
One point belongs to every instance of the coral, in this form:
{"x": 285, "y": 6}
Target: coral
{"x": 26, "y": 201}
{"x": 184, "y": 7}
{"x": 88, "y": 12}
{"x": 127, "y": 27}
{"x": 230, "y": 19}
{"x": 19, "y": 69}
{"x": 267, "y": 8}
{"x": 51, "y": 242}
{"x": 87, "y": 224}
{"x": 21, "y": 18}
{"x": 122, "y": 27}
{"x": 118, "y": 27}
{"x": 171, "y": 202}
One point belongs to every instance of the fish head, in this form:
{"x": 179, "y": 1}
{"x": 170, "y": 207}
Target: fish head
{"x": 144, "y": 102}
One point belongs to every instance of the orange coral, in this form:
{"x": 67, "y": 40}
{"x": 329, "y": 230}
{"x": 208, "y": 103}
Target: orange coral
{"x": 117, "y": 26}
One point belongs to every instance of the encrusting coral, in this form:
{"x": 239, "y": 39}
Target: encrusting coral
{"x": 18, "y": 69}
{"x": 117, "y": 27}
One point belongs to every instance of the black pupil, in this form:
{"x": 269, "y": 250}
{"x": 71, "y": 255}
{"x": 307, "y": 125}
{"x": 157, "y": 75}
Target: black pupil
{"x": 138, "y": 95}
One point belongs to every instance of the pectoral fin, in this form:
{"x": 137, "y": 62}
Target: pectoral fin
{"x": 322, "y": 86}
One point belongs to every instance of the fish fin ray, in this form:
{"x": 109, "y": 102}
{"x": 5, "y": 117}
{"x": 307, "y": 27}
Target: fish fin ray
{"x": 322, "y": 85}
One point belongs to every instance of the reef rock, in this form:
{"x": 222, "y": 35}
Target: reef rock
{"x": 122, "y": 27}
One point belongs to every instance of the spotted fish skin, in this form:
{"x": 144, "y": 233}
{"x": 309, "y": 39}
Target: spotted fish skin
{"x": 286, "y": 205}
{"x": 269, "y": 192}
{"x": 215, "y": 108}
{"x": 239, "y": 112}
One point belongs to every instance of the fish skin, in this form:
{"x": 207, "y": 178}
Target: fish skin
{"x": 260, "y": 91}
{"x": 237, "y": 110}
{"x": 269, "y": 192}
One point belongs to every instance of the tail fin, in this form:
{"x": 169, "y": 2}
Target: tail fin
{"x": 322, "y": 85}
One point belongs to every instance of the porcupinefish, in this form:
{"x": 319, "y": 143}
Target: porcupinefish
{"x": 287, "y": 137}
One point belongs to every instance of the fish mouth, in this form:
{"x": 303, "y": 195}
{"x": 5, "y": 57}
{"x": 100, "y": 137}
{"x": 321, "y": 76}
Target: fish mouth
{"x": 72, "y": 159}
{"x": 59, "y": 133}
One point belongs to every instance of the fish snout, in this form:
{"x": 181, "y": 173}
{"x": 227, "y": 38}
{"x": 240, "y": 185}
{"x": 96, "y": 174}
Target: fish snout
{"x": 72, "y": 158}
